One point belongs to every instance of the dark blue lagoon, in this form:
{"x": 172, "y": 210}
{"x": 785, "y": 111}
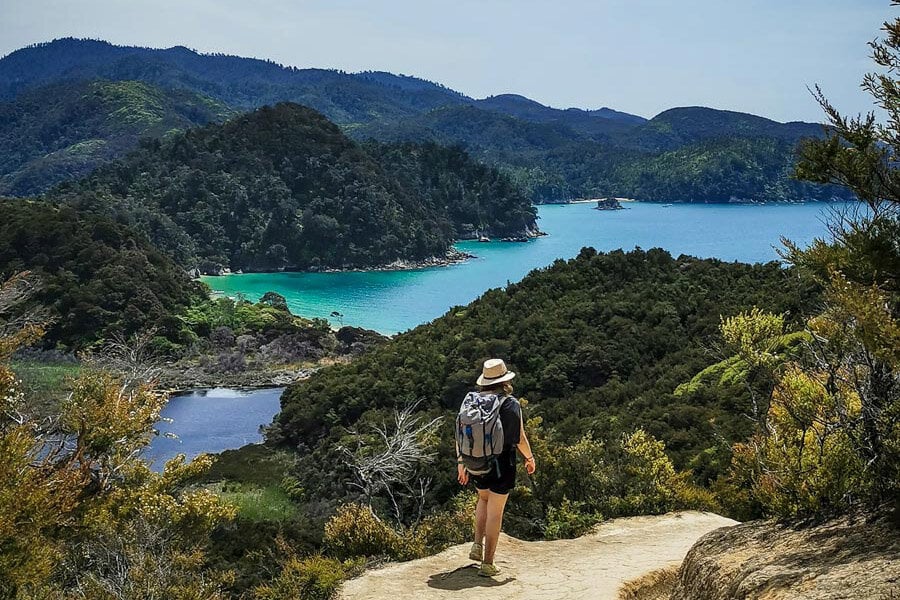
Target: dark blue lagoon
{"x": 213, "y": 420}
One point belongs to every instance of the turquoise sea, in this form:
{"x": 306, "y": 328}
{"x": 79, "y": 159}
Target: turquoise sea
{"x": 395, "y": 301}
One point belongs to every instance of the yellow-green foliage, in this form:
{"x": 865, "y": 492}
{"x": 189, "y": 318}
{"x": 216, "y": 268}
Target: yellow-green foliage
{"x": 356, "y": 531}
{"x": 860, "y": 314}
{"x": 647, "y": 475}
{"x": 33, "y": 502}
{"x": 754, "y": 336}
{"x": 111, "y": 423}
{"x": 132, "y": 102}
{"x": 689, "y": 495}
{"x": 809, "y": 454}
{"x": 757, "y": 341}
{"x": 807, "y": 464}
{"x": 577, "y": 483}
{"x": 311, "y": 578}
{"x": 445, "y": 528}
{"x": 160, "y": 499}
{"x": 90, "y": 517}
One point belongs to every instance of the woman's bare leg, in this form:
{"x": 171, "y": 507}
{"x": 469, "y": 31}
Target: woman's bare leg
{"x": 495, "y": 505}
{"x": 481, "y": 511}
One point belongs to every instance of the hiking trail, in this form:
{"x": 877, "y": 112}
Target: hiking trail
{"x": 590, "y": 567}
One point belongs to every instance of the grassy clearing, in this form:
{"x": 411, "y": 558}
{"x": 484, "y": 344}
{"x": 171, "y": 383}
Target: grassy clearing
{"x": 257, "y": 504}
{"x": 45, "y": 383}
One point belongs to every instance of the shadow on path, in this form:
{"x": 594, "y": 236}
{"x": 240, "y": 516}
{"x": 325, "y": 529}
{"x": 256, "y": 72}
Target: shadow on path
{"x": 464, "y": 578}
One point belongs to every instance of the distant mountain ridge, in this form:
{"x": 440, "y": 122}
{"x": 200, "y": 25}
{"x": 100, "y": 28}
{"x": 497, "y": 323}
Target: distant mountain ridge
{"x": 554, "y": 154}
{"x": 65, "y": 130}
{"x": 251, "y": 82}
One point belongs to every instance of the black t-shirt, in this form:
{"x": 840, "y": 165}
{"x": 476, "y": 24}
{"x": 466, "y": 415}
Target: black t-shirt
{"x": 511, "y": 419}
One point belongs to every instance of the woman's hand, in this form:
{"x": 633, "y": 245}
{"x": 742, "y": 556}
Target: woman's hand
{"x": 462, "y": 475}
{"x": 530, "y": 465}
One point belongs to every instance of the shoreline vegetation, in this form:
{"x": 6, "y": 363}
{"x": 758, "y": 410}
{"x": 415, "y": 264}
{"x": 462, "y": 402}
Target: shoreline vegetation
{"x": 452, "y": 257}
{"x": 178, "y": 380}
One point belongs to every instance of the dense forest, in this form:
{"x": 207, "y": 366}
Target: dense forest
{"x": 682, "y": 155}
{"x": 65, "y": 130}
{"x": 554, "y": 154}
{"x": 284, "y": 188}
{"x": 600, "y": 344}
{"x": 246, "y": 83}
{"x": 95, "y": 278}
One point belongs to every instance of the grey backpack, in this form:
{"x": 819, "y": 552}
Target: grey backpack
{"x": 479, "y": 432}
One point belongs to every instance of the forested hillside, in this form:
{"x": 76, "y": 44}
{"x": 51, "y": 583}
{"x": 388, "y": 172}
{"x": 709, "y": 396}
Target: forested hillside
{"x": 600, "y": 343}
{"x": 244, "y": 83}
{"x": 65, "y": 130}
{"x": 682, "y": 155}
{"x": 345, "y": 98}
{"x": 96, "y": 278}
{"x": 283, "y": 188}
{"x": 554, "y": 154}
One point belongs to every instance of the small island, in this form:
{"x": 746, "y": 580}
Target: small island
{"x": 609, "y": 204}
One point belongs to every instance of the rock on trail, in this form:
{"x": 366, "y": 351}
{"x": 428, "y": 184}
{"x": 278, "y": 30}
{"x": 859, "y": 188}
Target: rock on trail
{"x": 843, "y": 559}
{"x": 590, "y": 567}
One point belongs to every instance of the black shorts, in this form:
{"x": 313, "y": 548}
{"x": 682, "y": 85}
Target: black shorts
{"x": 502, "y": 482}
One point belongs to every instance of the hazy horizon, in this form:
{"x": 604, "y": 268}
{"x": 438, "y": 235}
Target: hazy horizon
{"x": 636, "y": 56}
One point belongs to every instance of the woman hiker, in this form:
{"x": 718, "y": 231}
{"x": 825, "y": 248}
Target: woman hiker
{"x": 490, "y": 466}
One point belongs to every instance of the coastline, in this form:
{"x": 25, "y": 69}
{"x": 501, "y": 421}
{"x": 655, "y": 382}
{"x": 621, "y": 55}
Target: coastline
{"x": 453, "y": 257}
{"x": 177, "y": 379}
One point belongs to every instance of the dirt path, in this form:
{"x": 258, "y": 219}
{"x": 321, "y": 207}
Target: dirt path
{"x": 591, "y": 567}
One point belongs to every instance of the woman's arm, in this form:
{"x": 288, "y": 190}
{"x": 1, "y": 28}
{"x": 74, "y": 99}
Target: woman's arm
{"x": 462, "y": 476}
{"x": 524, "y": 447}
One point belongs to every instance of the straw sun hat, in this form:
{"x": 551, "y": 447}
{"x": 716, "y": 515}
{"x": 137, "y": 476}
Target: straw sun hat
{"x": 494, "y": 371}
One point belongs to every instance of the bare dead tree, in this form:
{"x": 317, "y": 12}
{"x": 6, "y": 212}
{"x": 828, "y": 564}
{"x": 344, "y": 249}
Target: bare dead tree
{"x": 133, "y": 358}
{"x": 387, "y": 462}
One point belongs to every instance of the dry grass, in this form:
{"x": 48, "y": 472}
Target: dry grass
{"x": 655, "y": 585}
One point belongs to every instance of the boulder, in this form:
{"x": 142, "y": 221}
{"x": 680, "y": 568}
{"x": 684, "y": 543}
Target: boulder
{"x": 844, "y": 558}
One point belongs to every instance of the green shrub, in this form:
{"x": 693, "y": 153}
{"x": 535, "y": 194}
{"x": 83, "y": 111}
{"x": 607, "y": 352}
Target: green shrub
{"x": 810, "y": 465}
{"x": 311, "y": 578}
{"x": 689, "y": 495}
{"x": 448, "y": 527}
{"x": 642, "y": 476}
{"x": 292, "y": 488}
{"x": 569, "y": 520}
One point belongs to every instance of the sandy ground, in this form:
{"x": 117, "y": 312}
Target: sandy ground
{"x": 591, "y": 567}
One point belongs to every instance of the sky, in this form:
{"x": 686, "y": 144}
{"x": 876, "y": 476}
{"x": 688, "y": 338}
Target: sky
{"x": 639, "y": 56}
